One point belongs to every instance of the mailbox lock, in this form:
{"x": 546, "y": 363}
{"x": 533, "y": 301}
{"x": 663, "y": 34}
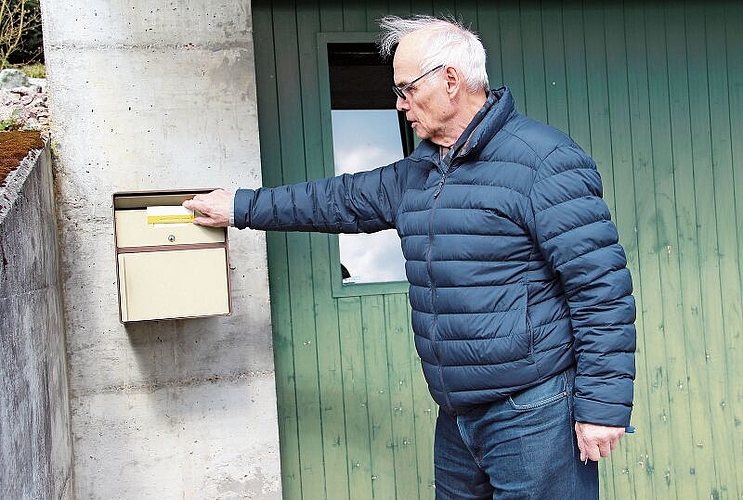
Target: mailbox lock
{"x": 171, "y": 238}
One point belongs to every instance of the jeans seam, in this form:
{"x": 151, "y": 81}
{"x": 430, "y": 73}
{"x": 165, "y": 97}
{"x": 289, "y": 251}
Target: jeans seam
{"x": 466, "y": 443}
{"x": 544, "y": 402}
{"x": 539, "y": 404}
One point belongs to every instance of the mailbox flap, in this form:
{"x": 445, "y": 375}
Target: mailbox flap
{"x": 133, "y": 230}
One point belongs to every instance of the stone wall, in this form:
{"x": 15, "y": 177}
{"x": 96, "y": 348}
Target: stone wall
{"x": 35, "y": 442}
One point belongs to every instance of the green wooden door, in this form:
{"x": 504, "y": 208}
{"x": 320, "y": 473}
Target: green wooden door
{"x": 654, "y": 91}
{"x": 355, "y": 417}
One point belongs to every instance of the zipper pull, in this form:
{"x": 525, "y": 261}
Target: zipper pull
{"x": 440, "y": 186}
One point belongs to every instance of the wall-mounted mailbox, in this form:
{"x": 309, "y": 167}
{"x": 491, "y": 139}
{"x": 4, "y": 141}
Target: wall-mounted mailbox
{"x": 166, "y": 268}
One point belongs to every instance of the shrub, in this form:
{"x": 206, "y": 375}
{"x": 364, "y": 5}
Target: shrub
{"x": 20, "y": 32}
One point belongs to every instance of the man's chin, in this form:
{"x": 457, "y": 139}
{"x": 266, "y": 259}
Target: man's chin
{"x": 422, "y": 135}
{"x": 419, "y": 131}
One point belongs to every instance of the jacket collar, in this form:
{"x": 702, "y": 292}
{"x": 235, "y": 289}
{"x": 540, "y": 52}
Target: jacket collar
{"x": 487, "y": 122}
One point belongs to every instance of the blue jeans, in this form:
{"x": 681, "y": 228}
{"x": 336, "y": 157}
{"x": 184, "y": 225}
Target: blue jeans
{"x": 521, "y": 447}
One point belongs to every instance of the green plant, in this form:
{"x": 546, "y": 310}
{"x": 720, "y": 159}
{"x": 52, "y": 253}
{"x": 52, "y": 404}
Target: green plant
{"x": 20, "y": 22}
{"x": 11, "y": 123}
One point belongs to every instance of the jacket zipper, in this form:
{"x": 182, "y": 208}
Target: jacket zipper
{"x": 442, "y": 181}
{"x": 450, "y": 168}
{"x": 432, "y": 335}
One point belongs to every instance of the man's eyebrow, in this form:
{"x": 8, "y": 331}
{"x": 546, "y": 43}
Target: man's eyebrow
{"x": 402, "y": 84}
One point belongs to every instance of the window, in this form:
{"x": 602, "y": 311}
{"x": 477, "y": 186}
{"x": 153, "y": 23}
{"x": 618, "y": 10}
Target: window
{"x": 368, "y": 132}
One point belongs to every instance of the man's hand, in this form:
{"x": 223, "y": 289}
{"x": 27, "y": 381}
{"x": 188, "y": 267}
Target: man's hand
{"x": 596, "y": 441}
{"x": 213, "y": 208}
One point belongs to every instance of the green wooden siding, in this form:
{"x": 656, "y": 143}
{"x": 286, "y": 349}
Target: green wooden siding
{"x": 654, "y": 91}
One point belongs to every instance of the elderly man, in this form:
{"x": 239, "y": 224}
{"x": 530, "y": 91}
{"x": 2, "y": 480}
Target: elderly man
{"x": 522, "y": 307}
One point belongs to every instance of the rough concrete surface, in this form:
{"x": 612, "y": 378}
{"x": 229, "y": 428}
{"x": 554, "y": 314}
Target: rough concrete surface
{"x": 209, "y": 461}
{"x": 35, "y": 442}
{"x": 159, "y": 95}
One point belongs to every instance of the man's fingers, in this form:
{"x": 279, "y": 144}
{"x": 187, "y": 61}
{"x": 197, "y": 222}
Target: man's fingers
{"x": 190, "y": 204}
{"x": 201, "y": 211}
{"x": 204, "y": 221}
{"x": 596, "y": 441}
{"x": 211, "y": 209}
{"x": 605, "y": 449}
{"x": 196, "y": 204}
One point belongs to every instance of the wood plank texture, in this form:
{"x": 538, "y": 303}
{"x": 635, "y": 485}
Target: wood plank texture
{"x": 654, "y": 91}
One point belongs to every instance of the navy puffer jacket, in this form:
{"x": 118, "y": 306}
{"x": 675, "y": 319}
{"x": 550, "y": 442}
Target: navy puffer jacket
{"x": 514, "y": 264}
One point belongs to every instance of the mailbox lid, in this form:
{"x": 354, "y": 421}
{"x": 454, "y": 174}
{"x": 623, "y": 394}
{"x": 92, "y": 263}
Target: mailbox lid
{"x": 132, "y": 230}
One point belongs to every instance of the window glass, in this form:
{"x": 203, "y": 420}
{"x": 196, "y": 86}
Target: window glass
{"x": 364, "y": 139}
{"x": 368, "y": 132}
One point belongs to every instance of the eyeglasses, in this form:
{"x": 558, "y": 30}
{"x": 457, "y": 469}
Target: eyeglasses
{"x": 400, "y": 91}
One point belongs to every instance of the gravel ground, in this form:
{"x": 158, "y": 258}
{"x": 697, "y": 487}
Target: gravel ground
{"x": 25, "y": 106}
{"x": 21, "y": 108}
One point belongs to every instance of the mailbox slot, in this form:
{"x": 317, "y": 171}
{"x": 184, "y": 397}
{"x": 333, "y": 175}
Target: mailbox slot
{"x": 168, "y": 271}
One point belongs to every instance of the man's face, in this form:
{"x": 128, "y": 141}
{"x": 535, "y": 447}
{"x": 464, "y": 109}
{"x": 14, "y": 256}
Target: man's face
{"x": 426, "y": 104}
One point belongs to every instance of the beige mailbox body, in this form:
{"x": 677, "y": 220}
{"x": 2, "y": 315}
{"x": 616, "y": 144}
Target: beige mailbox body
{"x": 168, "y": 271}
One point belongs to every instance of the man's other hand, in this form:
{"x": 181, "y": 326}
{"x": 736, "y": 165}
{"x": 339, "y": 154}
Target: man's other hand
{"x": 597, "y": 441}
{"x": 211, "y": 209}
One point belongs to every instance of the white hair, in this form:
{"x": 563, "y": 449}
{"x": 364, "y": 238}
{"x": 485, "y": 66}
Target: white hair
{"x": 449, "y": 43}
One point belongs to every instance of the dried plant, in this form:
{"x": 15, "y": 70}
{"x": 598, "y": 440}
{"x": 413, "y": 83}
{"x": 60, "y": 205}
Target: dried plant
{"x": 17, "y": 19}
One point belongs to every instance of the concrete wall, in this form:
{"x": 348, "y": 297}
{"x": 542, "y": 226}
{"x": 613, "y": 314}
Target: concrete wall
{"x": 35, "y": 443}
{"x": 154, "y": 94}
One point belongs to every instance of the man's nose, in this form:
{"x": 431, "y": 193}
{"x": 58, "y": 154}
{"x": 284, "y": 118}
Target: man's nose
{"x": 401, "y": 104}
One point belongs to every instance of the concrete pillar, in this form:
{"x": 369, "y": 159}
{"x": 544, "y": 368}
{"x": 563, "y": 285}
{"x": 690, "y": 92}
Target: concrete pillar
{"x": 147, "y": 95}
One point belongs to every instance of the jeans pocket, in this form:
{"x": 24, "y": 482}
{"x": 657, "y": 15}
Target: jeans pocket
{"x": 548, "y": 392}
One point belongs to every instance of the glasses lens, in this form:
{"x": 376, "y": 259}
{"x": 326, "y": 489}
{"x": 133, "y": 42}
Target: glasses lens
{"x": 399, "y": 92}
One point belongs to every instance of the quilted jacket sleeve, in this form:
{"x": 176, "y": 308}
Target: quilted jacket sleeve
{"x": 576, "y": 236}
{"x": 349, "y": 203}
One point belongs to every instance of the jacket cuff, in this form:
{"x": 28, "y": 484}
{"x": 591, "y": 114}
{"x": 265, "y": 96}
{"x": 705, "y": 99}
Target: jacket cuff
{"x": 241, "y": 208}
{"x": 596, "y": 412}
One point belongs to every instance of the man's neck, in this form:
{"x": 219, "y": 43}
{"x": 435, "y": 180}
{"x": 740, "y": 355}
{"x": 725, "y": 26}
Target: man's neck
{"x": 459, "y": 122}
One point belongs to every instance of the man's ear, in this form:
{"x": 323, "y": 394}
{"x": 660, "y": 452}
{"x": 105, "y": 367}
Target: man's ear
{"x": 453, "y": 81}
